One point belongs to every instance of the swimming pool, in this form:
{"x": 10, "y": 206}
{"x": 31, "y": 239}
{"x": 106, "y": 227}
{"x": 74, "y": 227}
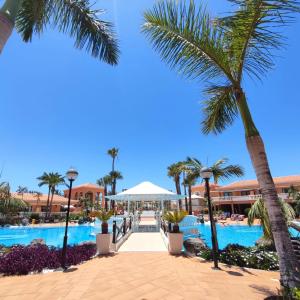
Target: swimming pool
{"x": 53, "y": 236}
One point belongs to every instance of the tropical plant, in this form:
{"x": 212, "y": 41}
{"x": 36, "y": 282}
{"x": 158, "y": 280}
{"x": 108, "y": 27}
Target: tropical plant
{"x": 105, "y": 182}
{"x": 87, "y": 204}
{"x": 103, "y": 216}
{"x": 174, "y": 171}
{"x": 114, "y": 175}
{"x": 76, "y": 18}
{"x": 22, "y": 190}
{"x": 295, "y": 195}
{"x": 8, "y": 204}
{"x": 22, "y": 260}
{"x": 259, "y": 211}
{"x": 223, "y": 52}
{"x": 220, "y": 170}
{"x": 113, "y": 153}
{"x": 175, "y": 217}
{"x": 51, "y": 180}
{"x": 190, "y": 180}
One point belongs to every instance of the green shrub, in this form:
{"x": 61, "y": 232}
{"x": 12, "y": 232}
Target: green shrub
{"x": 34, "y": 216}
{"x": 250, "y": 257}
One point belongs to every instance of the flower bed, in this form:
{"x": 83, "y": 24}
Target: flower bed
{"x": 250, "y": 257}
{"x": 22, "y": 260}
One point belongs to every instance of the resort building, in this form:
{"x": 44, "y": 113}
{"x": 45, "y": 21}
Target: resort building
{"x": 240, "y": 195}
{"x": 88, "y": 190}
{"x": 38, "y": 202}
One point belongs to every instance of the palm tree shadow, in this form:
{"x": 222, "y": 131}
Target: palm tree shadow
{"x": 264, "y": 290}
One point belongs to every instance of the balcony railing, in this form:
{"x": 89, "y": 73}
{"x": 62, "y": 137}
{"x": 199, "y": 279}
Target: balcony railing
{"x": 246, "y": 198}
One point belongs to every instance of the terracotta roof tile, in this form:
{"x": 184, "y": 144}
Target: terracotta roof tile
{"x": 283, "y": 181}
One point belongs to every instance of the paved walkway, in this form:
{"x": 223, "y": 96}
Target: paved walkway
{"x": 142, "y": 276}
{"x": 144, "y": 241}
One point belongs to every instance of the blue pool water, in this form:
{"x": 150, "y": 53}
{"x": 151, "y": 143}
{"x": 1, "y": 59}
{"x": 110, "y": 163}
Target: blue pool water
{"x": 53, "y": 236}
{"x": 231, "y": 234}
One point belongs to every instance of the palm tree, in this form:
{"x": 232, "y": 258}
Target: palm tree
{"x": 113, "y": 152}
{"x": 55, "y": 179}
{"x": 258, "y": 211}
{"x": 174, "y": 171}
{"x": 45, "y": 179}
{"x": 22, "y": 190}
{"x": 105, "y": 182}
{"x": 37, "y": 195}
{"x": 52, "y": 180}
{"x": 190, "y": 180}
{"x": 114, "y": 175}
{"x": 87, "y": 204}
{"x": 76, "y": 18}
{"x": 226, "y": 50}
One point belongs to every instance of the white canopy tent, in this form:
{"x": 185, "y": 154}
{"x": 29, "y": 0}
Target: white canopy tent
{"x": 146, "y": 191}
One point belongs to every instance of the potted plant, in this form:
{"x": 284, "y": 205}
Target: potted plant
{"x": 103, "y": 239}
{"x": 175, "y": 236}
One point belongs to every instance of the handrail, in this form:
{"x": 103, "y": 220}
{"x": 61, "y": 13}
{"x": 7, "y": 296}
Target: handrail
{"x": 121, "y": 230}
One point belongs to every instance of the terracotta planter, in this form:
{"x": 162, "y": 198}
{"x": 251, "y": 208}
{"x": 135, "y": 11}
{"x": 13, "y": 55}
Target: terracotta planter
{"x": 103, "y": 242}
{"x": 175, "y": 243}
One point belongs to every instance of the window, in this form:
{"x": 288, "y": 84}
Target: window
{"x": 285, "y": 190}
{"x": 245, "y": 193}
{"x": 227, "y": 194}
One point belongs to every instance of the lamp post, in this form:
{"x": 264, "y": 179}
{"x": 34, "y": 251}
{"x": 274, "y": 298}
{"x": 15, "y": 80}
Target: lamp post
{"x": 206, "y": 174}
{"x": 71, "y": 175}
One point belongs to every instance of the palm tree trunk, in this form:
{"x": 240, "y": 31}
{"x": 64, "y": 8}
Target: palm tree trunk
{"x": 6, "y": 28}
{"x": 50, "y": 206}
{"x": 178, "y": 191}
{"x": 48, "y": 200}
{"x": 288, "y": 264}
{"x": 190, "y": 200}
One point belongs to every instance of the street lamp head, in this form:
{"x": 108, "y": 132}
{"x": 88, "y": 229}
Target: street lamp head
{"x": 72, "y": 174}
{"x": 206, "y": 173}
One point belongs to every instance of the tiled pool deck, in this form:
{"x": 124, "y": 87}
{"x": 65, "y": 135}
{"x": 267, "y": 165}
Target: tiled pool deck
{"x": 143, "y": 276}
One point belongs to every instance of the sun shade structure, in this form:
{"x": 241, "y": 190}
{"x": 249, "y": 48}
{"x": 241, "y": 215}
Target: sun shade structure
{"x": 145, "y": 191}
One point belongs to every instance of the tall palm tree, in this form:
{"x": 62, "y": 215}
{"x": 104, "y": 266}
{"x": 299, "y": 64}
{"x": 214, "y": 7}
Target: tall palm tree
{"x": 113, "y": 152}
{"x": 174, "y": 171}
{"x": 115, "y": 175}
{"x": 55, "y": 179}
{"x": 190, "y": 180}
{"x": 226, "y": 50}
{"x": 37, "y": 195}
{"x": 45, "y": 179}
{"x": 105, "y": 181}
{"x": 22, "y": 190}
{"x": 52, "y": 180}
{"x": 76, "y": 18}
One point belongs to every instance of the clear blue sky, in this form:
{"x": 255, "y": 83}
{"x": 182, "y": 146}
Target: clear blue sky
{"x": 61, "y": 108}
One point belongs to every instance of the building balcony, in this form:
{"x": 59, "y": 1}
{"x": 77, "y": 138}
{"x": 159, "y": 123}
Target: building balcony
{"x": 245, "y": 199}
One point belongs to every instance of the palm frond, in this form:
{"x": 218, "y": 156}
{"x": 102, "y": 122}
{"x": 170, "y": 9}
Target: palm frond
{"x": 77, "y": 18}
{"x": 32, "y": 17}
{"x": 186, "y": 39}
{"x": 259, "y": 211}
{"x": 220, "y": 110}
{"x": 253, "y": 31}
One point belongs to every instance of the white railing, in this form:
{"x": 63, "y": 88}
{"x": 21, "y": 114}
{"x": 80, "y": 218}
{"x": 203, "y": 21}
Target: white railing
{"x": 283, "y": 196}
